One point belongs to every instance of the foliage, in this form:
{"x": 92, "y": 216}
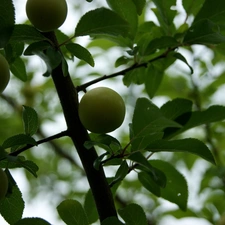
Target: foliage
{"x": 169, "y": 61}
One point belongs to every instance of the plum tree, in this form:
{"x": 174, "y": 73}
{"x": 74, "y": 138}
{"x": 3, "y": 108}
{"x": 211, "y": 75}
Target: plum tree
{"x": 101, "y": 110}
{"x": 3, "y": 184}
{"x": 46, "y": 15}
{"x": 4, "y": 73}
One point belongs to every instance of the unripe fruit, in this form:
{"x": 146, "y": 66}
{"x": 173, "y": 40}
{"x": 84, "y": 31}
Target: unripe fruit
{"x": 101, "y": 110}
{"x": 46, "y": 15}
{"x": 4, "y": 73}
{"x": 3, "y": 184}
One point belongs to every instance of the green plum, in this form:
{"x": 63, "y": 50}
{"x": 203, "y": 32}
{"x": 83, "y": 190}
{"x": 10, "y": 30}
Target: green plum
{"x": 102, "y": 110}
{"x": 4, "y": 73}
{"x": 46, "y": 15}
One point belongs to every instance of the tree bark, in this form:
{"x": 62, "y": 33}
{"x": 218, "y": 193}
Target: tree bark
{"x": 97, "y": 180}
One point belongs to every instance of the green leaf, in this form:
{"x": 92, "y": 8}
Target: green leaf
{"x": 51, "y": 56}
{"x": 28, "y": 165}
{"x": 33, "y": 221}
{"x": 140, "y": 142}
{"x": 18, "y": 68}
{"x": 133, "y": 214}
{"x": 30, "y": 120}
{"x": 204, "y": 32}
{"x": 36, "y": 47}
{"x": 81, "y": 53}
{"x": 192, "y": 7}
{"x": 176, "y": 107}
{"x": 153, "y": 79}
{"x": 161, "y": 43}
{"x": 18, "y": 140}
{"x": 147, "y": 31}
{"x": 105, "y": 141}
{"x": 157, "y": 176}
{"x": 165, "y": 14}
{"x": 148, "y": 182}
{"x": 12, "y": 206}
{"x": 148, "y": 119}
{"x": 127, "y": 10}
{"x": 176, "y": 189}
{"x": 18, "y": 162}
{"x": 179, "y": 56}
{"x": 90, "y": 207}
{"x": 101, "y": 21}
{"x": 189, "y": 145}
{"x": 212, "y": 11}
{"x": 212, "y": 114}
{"x": 136, "y": 76}
{"x": 120, "y": 173}
{"x": 13, "y": 51}
{"x": 26, "y": 33}
{"x": 112, "y": 221}
{"x": 7, "y": 20}
{"x": 140, "y": 4}
{"x": 72, "y": 212}
{"x": 98, "y": 161}
{"x": 141, "y": 160}
{"x": 122, "y": 60}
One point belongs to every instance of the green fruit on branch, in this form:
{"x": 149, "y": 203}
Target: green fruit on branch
{"x": 3, "y": 184}
{"x": 46, "y": 15}
{"x": 4, "y": 73}
{"x": 101, "y": 110}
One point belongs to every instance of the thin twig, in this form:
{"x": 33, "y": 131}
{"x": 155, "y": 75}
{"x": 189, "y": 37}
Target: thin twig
{"x": 15, "y": 106}
{"x": 122, "y": 72}
{"x": 50, "y": 138}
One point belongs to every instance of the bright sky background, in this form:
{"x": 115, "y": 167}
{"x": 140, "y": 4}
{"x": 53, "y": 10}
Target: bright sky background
{"x": 40, "y": 206}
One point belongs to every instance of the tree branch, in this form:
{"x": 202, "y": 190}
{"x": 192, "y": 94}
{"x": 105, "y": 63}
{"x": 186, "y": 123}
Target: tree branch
{"x": 69, "y": 101}
{"x": 122, "y": 72}
{"x": 56, "y": 148}
{"x": 44, "y": 140}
